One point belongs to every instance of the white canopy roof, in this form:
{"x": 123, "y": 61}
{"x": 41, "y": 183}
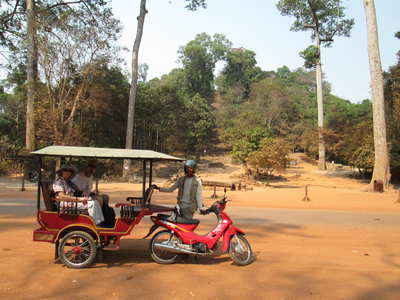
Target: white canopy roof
{"x": 103, "y": 153}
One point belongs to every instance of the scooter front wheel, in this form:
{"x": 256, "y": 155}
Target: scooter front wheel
{"x": 240, "y": 250}
{"x": 159, "y": 245}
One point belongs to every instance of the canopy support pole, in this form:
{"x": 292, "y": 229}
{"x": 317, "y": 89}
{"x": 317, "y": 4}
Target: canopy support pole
{"x": 39, "y": 181}
{"x": 151, "y": 173}
{"x": 144, "y": 177}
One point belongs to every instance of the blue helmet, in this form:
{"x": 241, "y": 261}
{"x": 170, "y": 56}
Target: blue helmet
{"x": 190, "y": 164}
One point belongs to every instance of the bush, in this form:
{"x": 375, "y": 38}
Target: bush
{"x": 363, "y": 159}
{"x": 273, "y": 155}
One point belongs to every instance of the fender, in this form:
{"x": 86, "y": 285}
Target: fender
{"x": 89, "y": 229}
{"x": 232, "y": 230}
{"x": 152, "y": 229}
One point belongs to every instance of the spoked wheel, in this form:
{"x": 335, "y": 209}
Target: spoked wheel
{"x": 240, "y": 250}
{"x": 77, "y": 250}
{"x": 160, "y": 255}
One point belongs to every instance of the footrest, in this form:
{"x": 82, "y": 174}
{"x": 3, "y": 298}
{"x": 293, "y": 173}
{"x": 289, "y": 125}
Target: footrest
{"x": 111, "y": 248}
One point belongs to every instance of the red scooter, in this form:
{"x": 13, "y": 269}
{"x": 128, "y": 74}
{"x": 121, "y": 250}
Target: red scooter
{"x": 179, "y": 237}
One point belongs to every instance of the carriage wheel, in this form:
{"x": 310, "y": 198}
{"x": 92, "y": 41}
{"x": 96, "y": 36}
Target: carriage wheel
{"x": 77, "y": 250}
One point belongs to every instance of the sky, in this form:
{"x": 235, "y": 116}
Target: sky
{"x": 258, "y": 26}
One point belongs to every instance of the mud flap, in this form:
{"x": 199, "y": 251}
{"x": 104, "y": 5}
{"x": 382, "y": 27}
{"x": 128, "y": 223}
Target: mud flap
{"x": 152, "y": 229}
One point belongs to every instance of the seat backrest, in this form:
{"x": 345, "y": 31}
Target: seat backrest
{"x": 48, "y": 196}
{"x": 147, "y": 196}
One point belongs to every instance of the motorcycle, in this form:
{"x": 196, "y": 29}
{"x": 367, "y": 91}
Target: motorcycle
{"x": 179, "y": 238}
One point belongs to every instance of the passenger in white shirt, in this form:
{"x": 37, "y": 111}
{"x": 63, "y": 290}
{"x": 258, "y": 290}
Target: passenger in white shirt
{"x": 84, "y": 181}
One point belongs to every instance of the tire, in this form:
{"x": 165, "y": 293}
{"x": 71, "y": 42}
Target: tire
{"x": 161, "y": 256}
{"x": 77, "y": 250}
{"x": 240, "y": 250}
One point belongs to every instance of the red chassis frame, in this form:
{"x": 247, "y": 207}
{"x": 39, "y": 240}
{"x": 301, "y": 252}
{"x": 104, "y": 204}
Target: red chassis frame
{"x": 54, "y": 226}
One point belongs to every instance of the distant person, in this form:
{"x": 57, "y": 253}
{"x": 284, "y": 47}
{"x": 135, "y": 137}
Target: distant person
{"x": 67, "y": 190}
{"x": 189, "y": 187}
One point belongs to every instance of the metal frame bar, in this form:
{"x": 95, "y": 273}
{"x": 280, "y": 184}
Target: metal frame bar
{"x": 144, "y": 177}
{"x": 39, "y": 182}
{"x": 151, "y": 173}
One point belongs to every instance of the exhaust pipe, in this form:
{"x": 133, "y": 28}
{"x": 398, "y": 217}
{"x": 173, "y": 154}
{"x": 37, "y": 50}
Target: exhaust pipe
{"x": 177, "y": 249}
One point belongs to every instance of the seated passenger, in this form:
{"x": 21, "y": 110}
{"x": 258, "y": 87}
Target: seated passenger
{"x": 65, "y": 189}
{"x": 84, "y": 182}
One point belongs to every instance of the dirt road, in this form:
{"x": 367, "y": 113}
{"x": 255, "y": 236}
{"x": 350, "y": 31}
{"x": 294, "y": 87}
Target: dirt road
{"x": 299, "y": 254}
{"x": 344, "y": 244}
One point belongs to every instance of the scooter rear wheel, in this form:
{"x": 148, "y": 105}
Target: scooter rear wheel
{"x": 240, "y": 250}
{"x": 162, "y": 256}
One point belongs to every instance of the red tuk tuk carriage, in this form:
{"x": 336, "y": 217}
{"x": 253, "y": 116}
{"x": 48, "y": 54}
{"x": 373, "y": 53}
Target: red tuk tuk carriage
{"x": 76, "y": 237}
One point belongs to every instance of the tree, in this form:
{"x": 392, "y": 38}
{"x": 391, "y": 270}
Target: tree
{"x": 79, "y": 43}
{"x": 32, "y": 74}
{"x": 392, "y": 99}
{"x": 192, "y": 5}
{"x": 326, "y": 19}
{"x": 240, "y": 72}
{"x": 133, "y": 90}
{"x": 246, "y": 143}
{"x": 199, "y": 125}
{"x": 381, "y": 163}
{"x": 199, "y": 58}
{"x": 33, "y": 17}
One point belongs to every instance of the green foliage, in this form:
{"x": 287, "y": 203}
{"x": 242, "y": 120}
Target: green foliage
{"x": 282, "y": 105}
{"x": 12, "y": 117}
{"x": 194, "y": 4}
{"x": 326, "y": 15}
{"x": 392, "y": 99}
{"x": 49, "y": 15}
{"x": 247, "y": 142}
{"x": 198, "y": 58}
{"x": 239, "y": 73}
{"x": 363, "y": 158}
{"x": 311, "y": 56}
{"x": 272, "y": 155}
{"x": 200, "y": 125}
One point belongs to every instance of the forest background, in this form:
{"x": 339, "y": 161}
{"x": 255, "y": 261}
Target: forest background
{"x": 84, "y": 90}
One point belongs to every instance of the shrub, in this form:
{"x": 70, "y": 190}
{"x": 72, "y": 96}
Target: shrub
{"x": 273, "y": 155}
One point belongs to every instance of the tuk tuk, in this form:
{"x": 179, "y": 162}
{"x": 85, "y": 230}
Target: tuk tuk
{"x": 78, "y": 241}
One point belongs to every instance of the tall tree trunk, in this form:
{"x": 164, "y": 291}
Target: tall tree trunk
{"x": 381, "y": 164}
{"x": 133, "y": 90}
{"x": 32, "y": 75}
{"x": 320, "y": 104}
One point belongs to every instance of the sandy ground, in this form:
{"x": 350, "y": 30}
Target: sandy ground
{"x": 343, "y": 244}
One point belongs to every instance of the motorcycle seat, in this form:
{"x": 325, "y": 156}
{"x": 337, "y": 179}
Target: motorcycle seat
{"x": 181, "y": 220}
{"x": 163, "y": 216}
{"x": 178, "y": 220}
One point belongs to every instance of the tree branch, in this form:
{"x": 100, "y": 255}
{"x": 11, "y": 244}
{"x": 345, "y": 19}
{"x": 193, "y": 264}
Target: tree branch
{"x": 64, "y": 3}
{"x": 11, "y": 16}
{"x": 314, "y": 15}
{"x": 309, "y": 26}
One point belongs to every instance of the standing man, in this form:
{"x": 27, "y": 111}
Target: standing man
{"x": 189, "y": 187}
